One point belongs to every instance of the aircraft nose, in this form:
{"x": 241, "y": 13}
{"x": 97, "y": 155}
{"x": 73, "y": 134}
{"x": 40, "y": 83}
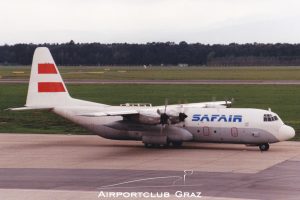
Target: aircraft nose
{"x": 286, "y": 132}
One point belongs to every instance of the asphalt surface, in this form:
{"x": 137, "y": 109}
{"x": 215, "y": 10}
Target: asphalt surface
{"x": 68, "y": 167}
{"x": 168, "y": 82}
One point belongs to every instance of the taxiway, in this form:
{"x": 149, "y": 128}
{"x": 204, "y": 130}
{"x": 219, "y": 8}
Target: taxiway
{"x": 78, "y": 167}
{"x": 169, "y": 82}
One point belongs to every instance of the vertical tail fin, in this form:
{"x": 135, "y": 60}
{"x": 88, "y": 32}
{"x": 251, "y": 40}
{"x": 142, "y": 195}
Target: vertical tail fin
{"x": 46, "y": 87}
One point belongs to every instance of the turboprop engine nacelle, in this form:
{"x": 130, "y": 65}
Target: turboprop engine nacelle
{"x": 173, "y": 117}
{"x": 169, "y": 134}
{"x": 148, "y": 119}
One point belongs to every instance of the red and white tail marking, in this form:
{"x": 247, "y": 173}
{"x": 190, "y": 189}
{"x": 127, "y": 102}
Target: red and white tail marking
{"x": 51, "y": 87}
{"x": 49, "y": 68}
{"x": 46, "y": 87}
{"x": 46, "y": 68}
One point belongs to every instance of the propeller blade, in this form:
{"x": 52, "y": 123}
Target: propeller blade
{"x": 182, "y": 114}
{"x": 158, "y": 112}
{"x": 226, "y": 102}
{"x": 166, "y": 104}
{"x": 232, "y": 100}
{"x": 181, "y": 108}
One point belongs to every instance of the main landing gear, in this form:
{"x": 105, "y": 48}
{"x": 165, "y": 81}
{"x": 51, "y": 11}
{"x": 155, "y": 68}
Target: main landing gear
{"x": 264, "y": 147}
{"x": 174, "y": 144}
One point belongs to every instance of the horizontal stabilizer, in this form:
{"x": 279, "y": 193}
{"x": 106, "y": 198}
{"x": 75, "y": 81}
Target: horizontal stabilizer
{"x": 30, "y": 108}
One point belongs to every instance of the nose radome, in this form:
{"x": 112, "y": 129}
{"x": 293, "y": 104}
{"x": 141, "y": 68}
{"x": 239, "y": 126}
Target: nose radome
{"x": 286, "y": 133}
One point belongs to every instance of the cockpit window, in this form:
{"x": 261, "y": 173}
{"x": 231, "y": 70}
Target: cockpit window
{"x": 270, "y": 118}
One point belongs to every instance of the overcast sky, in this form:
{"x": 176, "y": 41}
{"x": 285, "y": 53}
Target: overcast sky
{"x": 140, "y": 21}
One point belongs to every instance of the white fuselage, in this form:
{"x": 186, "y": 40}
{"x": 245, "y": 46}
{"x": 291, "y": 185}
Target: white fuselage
{"x": 223, "y": 125}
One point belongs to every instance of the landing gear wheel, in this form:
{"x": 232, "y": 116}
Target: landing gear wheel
{"x": 264, "y": 147}
{"x": 167, "y": 144}
{"x": 177, "y": 144}
{"x": 147, "y": 145}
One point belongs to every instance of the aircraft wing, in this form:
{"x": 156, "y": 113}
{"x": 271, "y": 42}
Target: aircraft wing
{"x": 110, "y": 113}
{"x": 152, "y": 111}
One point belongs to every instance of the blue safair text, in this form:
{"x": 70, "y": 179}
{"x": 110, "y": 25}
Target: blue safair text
{"x": 217, "y": 118}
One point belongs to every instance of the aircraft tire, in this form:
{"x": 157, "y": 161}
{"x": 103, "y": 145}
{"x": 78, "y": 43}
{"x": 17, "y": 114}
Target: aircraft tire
{"x": 264, "y": 147}
{"x": 177, "y": 144}
{"x": 167, "y": 145}
{"x": 147, "y": 145}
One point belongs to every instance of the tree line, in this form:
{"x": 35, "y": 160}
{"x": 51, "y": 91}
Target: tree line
{"x": 157, "y": 53}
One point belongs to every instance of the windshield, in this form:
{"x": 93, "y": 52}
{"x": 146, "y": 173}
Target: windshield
{"x": 270, "y": 118}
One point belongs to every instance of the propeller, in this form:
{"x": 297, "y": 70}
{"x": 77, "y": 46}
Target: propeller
{"x": 182, "y": 114}
{"x": 227, "y": 104}
{"x": 164, "y": 117}
{"x": 182, "y": 117}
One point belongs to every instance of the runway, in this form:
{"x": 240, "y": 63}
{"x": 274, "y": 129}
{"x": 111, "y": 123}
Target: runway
{"x": 168, "y": 82}
{"x": 79, "y": 167}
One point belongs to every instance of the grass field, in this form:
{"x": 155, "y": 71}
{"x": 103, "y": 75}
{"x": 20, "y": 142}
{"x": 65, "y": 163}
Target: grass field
{"x": 164, "y": 73}
{"x": 283, "y": 100}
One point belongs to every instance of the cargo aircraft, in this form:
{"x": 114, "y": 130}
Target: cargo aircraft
{"x": 211, "y": 122}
